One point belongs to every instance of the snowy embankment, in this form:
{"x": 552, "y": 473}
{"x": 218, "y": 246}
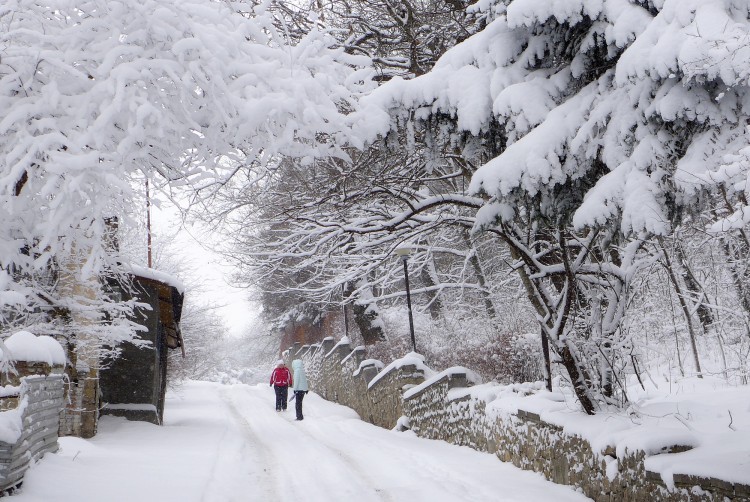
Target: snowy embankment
{"x": 226, "y": 443}
{"x": 708, "y": 417}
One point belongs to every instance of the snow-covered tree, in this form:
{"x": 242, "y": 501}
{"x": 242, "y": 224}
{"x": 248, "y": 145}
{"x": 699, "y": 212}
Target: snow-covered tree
{"x": 97, "y": 96}
{"x": 603, "y": 121}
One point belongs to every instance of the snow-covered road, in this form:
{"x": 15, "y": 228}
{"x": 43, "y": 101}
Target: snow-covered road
{"x": 226, "y": 443}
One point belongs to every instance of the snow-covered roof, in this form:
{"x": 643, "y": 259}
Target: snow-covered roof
{"x": 158, "y": 276}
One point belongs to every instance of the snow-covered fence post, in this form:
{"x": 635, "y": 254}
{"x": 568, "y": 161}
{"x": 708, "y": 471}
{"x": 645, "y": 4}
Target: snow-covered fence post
{"x": 386, "y": 390}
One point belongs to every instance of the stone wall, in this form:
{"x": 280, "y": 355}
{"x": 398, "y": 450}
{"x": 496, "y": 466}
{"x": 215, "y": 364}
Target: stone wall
{"x": 343, "y": 375}
{"x": 39, "y": 403}
{"x": 438, "y": 409}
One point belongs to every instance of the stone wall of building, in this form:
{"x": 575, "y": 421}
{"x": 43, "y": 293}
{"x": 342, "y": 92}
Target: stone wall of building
{"x": 438, "y": 409}
{"x": 39, "y": 402}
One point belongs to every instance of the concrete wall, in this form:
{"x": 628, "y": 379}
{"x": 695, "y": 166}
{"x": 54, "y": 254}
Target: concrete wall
{"x": 41, "y": 397}
{"x": 439, "y": 410}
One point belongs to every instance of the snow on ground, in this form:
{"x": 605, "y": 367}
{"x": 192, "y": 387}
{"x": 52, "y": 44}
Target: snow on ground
{"x": 223, "y": 443}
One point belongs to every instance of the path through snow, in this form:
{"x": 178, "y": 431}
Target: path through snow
{"x": 226, "y": 443}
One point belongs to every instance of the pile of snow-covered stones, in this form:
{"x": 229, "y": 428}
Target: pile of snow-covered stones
{"x": 681, "y": 441}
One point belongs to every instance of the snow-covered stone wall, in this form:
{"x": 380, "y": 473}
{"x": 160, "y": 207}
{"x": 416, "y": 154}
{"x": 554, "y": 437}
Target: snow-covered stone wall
{"x": 28, "y": 425}
{"x": 345, "y": 376}
{"x": 441, "y": 411}
{"x": 31, "y": 402}
{"x": 448, "y": 406}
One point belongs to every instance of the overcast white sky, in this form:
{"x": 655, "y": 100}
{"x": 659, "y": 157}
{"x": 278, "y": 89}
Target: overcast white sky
{"x": 193, "y": 246}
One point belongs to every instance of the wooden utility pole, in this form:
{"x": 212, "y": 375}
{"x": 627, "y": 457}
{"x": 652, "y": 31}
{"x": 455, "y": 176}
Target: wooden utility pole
{"x": 148, "y": 224}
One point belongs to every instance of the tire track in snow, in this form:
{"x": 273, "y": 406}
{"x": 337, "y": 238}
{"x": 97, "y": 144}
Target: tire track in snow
{"x": 208, "y": 488}
{"x": 455, "y": 488}
{"x": 334, "y": 456}
{"x": 256, "y": 447}
{"x": 352, "y": 462}
{"x": 335, "y": 473}
{"x": 406, "y": 470}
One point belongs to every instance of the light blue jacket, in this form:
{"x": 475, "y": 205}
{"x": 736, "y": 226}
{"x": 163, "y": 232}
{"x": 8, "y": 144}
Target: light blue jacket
{"x": 300, "y": 379}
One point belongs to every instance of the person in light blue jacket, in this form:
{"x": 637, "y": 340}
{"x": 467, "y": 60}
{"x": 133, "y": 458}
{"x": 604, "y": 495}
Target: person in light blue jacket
{"x": 300, "y": 386}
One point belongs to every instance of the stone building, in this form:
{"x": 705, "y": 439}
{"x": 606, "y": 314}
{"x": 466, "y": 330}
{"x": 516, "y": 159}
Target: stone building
{"x": 134, "y": 385}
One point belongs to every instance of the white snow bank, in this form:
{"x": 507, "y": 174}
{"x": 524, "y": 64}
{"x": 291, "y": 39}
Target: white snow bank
{"x": 9, "y": 390}
{"x": 708, "y": 417}
{"x": 226, "y": 443}
{"x": 25, "y": 346}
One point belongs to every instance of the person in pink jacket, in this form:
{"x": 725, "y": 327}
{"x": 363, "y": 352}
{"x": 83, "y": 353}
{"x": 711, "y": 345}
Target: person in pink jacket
{"x": 281, "y": 380}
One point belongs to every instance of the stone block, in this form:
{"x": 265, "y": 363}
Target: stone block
{"x": 368, "y": 373}
{"x": 523, "y": 439}
{"x": 654, "y": 477}
{"x": 525, "y": 415}
{"x": 342, "y": 351}
{"x": 458, "y": 380}
{"x": 742, "y": 492}
{"x": 326, "y": 345}
{"x": 688, "y": 480}
{"x": 677, "y": 448}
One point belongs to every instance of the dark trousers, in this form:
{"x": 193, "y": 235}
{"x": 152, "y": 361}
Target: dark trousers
{"x": 282, "y": 391}
{"x": 298, "y": 396}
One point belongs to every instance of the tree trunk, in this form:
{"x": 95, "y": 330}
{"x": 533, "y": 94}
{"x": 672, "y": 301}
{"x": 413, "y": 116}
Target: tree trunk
{"x": 366, "y": 317}
{"x": 683, "y": 306}
{"x": 705, "y": 314}
{"x": 429, "y": 278}
{"x": 703, "y": 309}
{"x": 578, "y": 376}
{"x": 479, "y": 272}
{"x": 547, "y": 361}
{"x": 739, "y": 277}
{"x": 737, "y": 256}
